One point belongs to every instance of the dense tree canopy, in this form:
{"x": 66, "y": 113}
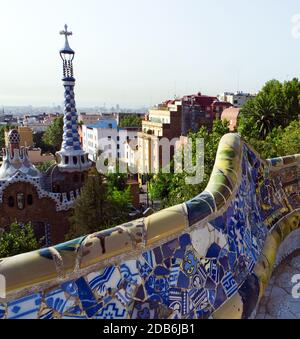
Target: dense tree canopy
{"x": 172, "y": 188}
{"x": 102, "y": 204}
{"x": 54, "y": 134}
{"x": 277, "y": 104}
{"x": 18, "y": 239}
{"x": 270, "y": 122}
{"x": 130, "y": 121}
{"x": 38, "y": 141}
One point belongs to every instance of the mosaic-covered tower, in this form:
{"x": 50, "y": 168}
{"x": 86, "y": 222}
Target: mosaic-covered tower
{"x": 71, "y": 157}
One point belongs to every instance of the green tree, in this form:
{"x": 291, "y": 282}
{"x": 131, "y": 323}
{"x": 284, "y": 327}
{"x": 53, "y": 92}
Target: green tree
{"x": 171, "y": 188}
{"x": 53, "y": 135}
{"x": 277, "y": 104}
{"x": 3, "y": 129}
{"x": 19, "y": 239}
{"x": 258, "y": 117}
{"x": 280, "y": 142}
{"x": 38, "y": 140}
{"x": 100, "y": 206}
{"x": 130, "y": 121}
{"x": 2, "y": 136}
{"x": 43, "y": 167}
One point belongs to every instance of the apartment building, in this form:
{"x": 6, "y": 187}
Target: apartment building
{"x": 237, "y": 99}
{"x": 172, "y": 120}
{"x": 105, "y": 136}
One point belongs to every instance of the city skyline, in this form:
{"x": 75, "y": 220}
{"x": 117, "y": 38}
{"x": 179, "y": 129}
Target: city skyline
{"x": 172, "y": 48}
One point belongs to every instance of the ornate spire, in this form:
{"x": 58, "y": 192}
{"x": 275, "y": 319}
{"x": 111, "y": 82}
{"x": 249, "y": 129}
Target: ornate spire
{"x": 71, "y": 156}
{"x": 16, "y": 160}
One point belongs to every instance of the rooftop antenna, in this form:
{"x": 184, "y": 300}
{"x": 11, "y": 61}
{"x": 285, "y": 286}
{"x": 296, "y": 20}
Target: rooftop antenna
{"x": 238, "y": 80}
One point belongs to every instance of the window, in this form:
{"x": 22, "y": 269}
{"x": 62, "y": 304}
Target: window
{"x": 20, "y": 201}
{"x": 118, "y": 146}
{"x": 109, "y": 137}
{"x": 29, "y": 199}
{"x": 118, "y": 138}
{"x": 75, "y": 160}
{"x": 66, "y": 160}
{"x": 11, "y": 201}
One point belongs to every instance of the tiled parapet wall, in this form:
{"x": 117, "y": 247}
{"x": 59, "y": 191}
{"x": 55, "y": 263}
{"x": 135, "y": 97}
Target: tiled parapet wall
{"x": 209, "y": 257}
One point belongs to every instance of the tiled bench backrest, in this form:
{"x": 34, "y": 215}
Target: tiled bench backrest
{"x": 209, "y": 257}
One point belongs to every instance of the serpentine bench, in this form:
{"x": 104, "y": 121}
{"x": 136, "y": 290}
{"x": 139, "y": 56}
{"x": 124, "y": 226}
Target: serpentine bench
{"x": 211, "y": 257}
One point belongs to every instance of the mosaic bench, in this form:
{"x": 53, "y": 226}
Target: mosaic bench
{"x": 211, "y": 257}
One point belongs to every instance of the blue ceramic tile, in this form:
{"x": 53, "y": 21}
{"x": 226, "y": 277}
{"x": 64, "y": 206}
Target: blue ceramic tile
{"x": 210, "y": 284}
{"x": 213, "y": 251}
{"x": 219, "y": 223}
{"x": 150, "y": 259}
{"x": 144, "y": 310}
{"x": 179, "y": 254}
{"x": 189, "y": 264}
{"x": 211, "y": 296}
{"x": 157, "y": 289}
{"x": 183, "y": 280}
{"x": 88, "y": 301}
{"x": 114, "y": 310}
{"x": 185, "y": 240}
{"x": 229, "y": 284}
{"x": 158, "y": 255}
{"x": 144, "y": 269}
{"x": 122, "y": 296}
{"x": 129, "y": 272}
{"x": 220, "y": 297}
{"x": 140, "y": 293}
{"x": 198, "y": 297}
{"x": 168, "y": 263}
{"x": 161, "y": 271}
{"x": 58, "y": 301}
{"x": 214, "y": 271}
{"x": 174, "y": 274}
{"x": 47, "y": 314}
{"x": 103, "y": 282}
{"x": 70, "y": 288}
{"x": 25, "y": 308}
{"x": 2, "y": 311}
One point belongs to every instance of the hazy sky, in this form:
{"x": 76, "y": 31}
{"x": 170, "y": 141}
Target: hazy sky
{"x": 138, "y": 52}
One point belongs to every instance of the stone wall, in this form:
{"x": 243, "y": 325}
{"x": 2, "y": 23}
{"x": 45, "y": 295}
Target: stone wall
{"x": 211, "y": 257}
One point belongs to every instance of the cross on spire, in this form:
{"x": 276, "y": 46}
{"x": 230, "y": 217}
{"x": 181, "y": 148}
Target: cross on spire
{"x": 67, "y": 49}
{"x": 65, "y": 32}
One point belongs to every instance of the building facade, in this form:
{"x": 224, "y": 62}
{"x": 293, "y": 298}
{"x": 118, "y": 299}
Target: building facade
{"x": 107, "y": 138}
{"x": 237, "y": 99}
{"x": 172, "y": 120}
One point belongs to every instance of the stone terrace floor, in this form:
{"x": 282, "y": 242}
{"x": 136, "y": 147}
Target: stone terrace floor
{"x": 278, "y": 302}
